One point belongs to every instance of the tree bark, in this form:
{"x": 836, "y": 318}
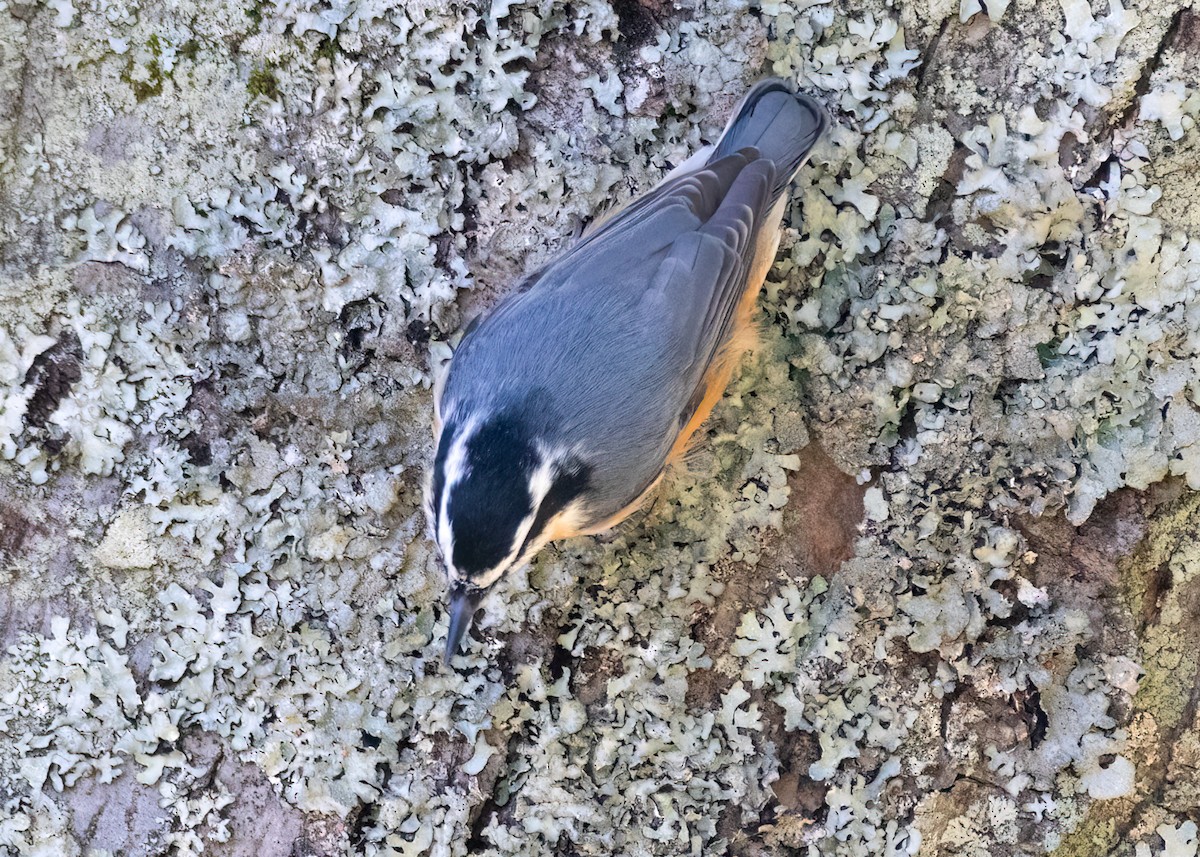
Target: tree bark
{"x": 930, "y": 583}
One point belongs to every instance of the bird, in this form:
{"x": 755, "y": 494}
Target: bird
{"x": 564, "y": 406}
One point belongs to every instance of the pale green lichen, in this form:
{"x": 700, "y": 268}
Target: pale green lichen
{"x": 233, "y": 275}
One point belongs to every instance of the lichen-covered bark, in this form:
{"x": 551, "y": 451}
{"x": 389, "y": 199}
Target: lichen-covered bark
{"x": 927, "y": 586}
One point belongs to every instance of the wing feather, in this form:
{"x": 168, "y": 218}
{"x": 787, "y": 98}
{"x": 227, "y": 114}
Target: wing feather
{"x": 704, "y": 276}
{"x": 673, "y": 268}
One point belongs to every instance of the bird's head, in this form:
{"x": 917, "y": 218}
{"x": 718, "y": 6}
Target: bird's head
{"x": 496, "y": 497}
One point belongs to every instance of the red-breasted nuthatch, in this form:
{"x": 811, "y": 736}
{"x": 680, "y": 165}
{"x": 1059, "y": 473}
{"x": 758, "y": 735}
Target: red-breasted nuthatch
{"x": 563, "y": 407}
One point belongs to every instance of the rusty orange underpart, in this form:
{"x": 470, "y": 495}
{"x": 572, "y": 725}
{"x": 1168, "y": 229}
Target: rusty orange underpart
{"x": 743, "y": 338}
{"x": 569, "y": 524}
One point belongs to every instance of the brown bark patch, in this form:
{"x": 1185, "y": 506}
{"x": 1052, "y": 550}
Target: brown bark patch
{"x": 821, "y": 520}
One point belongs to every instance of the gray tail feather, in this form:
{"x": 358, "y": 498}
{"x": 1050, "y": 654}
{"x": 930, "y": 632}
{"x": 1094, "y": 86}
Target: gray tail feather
{"x": 781, "y": 124}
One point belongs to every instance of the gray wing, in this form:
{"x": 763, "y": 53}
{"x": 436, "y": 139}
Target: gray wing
{"x": 683, "y": 251}
{"x": 613, "y": 339}
{"x": 703, "y": 277}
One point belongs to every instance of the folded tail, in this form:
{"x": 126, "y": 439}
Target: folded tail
{"x": 781, "y": 124}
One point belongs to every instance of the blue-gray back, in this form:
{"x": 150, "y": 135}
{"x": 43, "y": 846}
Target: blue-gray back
{"x": 604, "y": 352}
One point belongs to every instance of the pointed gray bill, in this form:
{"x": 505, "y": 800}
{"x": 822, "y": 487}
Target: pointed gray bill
{"x": 464, "y": 601}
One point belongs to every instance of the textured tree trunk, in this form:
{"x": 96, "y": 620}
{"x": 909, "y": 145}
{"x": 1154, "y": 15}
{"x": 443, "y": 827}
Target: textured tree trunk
{"x": 930, "y": 584}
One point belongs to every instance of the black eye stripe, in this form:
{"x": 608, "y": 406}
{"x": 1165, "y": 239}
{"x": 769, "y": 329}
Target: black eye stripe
{"x": 568, "y": 484}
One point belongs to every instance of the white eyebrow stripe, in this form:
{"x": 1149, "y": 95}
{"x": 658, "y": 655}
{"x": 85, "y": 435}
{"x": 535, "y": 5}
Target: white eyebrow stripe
{"x": 542, "y": 479}
{"x": 455, "y": 471}
{"x": 540, "y": 483}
